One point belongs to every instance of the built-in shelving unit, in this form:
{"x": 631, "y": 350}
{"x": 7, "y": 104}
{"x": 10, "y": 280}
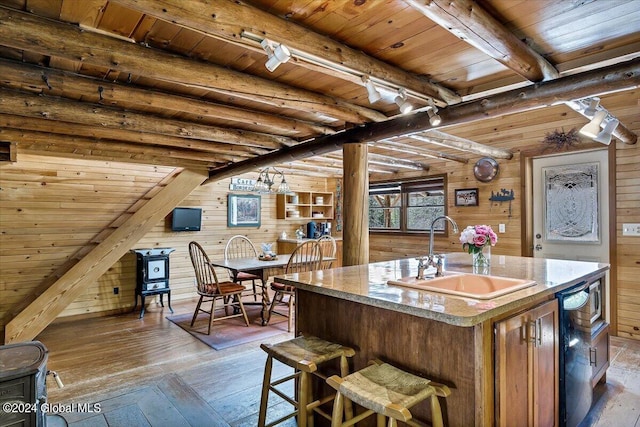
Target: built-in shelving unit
{"x": 305, "y": 205}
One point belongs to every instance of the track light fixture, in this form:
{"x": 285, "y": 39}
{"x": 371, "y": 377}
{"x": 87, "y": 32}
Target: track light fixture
{"x": 604, "y": 137}
{"x": 592, "y": 129}
{"x": 275, "y": 55}
{"x": 402, "y": 102}
{"x": 372, "y": 91}
{"x": 590, "y": 111}
{"x": 434, "y": 118}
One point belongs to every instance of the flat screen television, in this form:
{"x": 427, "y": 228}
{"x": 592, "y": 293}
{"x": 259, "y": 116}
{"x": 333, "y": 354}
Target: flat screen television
{"x": 186, "y": 219}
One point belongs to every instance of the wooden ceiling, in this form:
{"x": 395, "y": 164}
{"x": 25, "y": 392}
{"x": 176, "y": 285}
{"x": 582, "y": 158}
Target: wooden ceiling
{"x": 184, "y": 82}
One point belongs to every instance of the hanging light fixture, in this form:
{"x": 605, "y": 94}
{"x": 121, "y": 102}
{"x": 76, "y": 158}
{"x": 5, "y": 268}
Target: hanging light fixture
{"x": 592, "y": 129}
{"x": 266, "y": 180}
{"x": 372, "y": 91}
{"x": 402, "y": 102}
{"x": 604, "y": 137}
{"x": 275, "y": 55}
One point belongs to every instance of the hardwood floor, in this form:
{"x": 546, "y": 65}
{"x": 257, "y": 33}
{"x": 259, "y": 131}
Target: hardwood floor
{"x": 150, "y": 372}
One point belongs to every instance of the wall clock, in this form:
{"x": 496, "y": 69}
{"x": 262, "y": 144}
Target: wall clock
{"x": 485, "y": 169}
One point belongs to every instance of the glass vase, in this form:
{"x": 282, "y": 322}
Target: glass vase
{"x": 482, "y": 258}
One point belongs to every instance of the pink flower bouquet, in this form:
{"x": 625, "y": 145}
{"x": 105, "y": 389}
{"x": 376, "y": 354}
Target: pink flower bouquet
{"x": 476, "y": 237}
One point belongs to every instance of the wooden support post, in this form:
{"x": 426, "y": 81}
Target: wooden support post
{"x": 355, "y": 236}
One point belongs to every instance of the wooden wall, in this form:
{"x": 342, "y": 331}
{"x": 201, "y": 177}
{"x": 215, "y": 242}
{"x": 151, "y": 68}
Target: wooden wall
{"x": 52, "y": 207}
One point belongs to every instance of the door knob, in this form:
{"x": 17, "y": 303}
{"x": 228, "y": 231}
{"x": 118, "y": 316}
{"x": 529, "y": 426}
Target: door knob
{"x": 538, "y": 247}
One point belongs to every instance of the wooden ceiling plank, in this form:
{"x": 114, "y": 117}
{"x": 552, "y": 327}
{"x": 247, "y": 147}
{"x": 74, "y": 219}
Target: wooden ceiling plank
{"x": 18, "y": 75}
{"x": 29, "y": 32}
{"x": 468, "y": 21}
{"x": 609, "y": 79}
{"x": 65, "y": 110}
{"x": 227, "y": 20}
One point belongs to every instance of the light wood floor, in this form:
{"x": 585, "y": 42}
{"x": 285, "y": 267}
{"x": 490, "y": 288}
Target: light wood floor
{"x": 150, "y": 372}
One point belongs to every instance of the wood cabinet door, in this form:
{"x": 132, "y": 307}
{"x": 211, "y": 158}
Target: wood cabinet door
{"x": 526, "y": 367}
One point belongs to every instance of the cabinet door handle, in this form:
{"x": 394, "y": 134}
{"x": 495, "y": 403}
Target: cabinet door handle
{"x": 539, "y": 331}
{"x": 593, "y": 356}
{"x": 531, "y": 332}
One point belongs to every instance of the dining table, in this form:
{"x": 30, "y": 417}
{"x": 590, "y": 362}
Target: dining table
{"x": 258, "y": 266}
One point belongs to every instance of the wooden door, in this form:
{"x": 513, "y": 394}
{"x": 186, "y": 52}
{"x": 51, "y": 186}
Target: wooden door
{"x": 527, "y": 368}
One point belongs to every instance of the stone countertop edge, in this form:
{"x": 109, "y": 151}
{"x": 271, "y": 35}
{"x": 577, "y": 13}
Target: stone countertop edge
{"x": 304, "y": 239}
{"x": 367, "y": 284}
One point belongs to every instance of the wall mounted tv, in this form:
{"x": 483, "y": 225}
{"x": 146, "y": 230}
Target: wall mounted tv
{"x": 186, "y": 219}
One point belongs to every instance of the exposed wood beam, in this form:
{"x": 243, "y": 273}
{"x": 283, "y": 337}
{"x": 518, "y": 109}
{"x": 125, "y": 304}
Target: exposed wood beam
{"x": 619, "y": 77}
{"x": 384, "y": 159}
{"x": 147, "y": 139}
{"x": 60, "y": 109}
{"x": 48, "y": 305}
{"x": 226, "y": 20}
{"x": 44, "y": 142}
{"x": 390, "y": 145}
{"x": 451, "y": 141}
{"x": 122, "y": 135}
{"x": 468, "y": 21}
{"x": 24, "y": 31}
{"x": 17, "y": 75}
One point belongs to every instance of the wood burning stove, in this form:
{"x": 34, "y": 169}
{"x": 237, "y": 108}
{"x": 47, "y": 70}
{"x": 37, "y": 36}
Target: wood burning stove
{"x": 152, "y": 277}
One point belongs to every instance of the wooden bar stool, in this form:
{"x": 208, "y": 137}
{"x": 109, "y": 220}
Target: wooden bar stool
{"x": 388, "y": 392}
{"x": 304, "y": 354}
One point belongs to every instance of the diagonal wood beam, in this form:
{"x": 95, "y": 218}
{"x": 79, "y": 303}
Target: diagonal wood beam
{"x": 21, "y": 30}
{"x": 18, "y": 75}
{"x": 468, "y": 21}
{"x": 47, "y": 306}
{"x": 226, "y": 20}
{"x": 434, "y": 136}
{"x": 609, "y": 79}
{"x": 390, "y": 145}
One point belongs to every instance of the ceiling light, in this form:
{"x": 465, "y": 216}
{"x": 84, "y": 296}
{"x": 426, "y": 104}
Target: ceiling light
{"x": 401, "y": 101}
{"x": 266, "y": 179}
{"x": 604, "y": 137}
{"x": 434, "y": 118}
{"x": 590, "y": 111}
{"x": 592, "y": 129}
{"x": 374, "y": 94}
{"x": 276, "y": 55}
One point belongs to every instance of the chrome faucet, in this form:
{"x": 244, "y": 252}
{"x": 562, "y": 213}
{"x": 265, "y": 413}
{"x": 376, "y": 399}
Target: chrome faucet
{"x": 437, "y": 260}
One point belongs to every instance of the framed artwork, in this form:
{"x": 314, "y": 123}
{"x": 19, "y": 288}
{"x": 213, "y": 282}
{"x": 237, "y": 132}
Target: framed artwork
{"x": 243, "y": 210}
{"x": 467, "y": 197}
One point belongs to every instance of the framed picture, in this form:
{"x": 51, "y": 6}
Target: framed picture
{"x": 467, "y": 197}
{"x": 243, "y": 210}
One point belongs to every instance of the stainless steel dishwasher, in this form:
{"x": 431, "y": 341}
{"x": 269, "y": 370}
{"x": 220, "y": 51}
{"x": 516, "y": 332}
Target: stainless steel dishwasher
{"x": 576, "y": 393}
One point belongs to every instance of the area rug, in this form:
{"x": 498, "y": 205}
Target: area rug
{"x": 231, "y": 332}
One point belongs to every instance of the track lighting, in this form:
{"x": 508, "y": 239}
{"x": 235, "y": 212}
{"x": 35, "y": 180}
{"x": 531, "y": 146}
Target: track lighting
{"x": 592, "y": 129}
{"x": 372, "y": 91}
{"x": 590, "y": 111}
{"x": 434, "y": 118}
{"x": 604, "y": 137}
{"x": 401, "y": 101}
{"x": 276, "y": 56}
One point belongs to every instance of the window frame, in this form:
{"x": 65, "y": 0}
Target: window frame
{"x": 406, "y": 187}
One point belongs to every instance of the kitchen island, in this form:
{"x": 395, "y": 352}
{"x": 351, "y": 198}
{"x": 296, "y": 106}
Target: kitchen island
{"x": 451, "y": 339}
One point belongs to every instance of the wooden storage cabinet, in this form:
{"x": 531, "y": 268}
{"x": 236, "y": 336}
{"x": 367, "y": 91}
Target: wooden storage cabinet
{"x": 305, "y": 205}
{"x": 526, "y": 367}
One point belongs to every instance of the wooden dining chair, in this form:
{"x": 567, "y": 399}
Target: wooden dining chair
{"x": 240, "y": 246}
{"x": 328, "y": 248}
{"x": 210, "y": 289}
{"x": 306, "y": 257}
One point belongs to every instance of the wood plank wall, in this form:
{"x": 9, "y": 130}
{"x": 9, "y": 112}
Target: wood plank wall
{"x": 51, "y": 207}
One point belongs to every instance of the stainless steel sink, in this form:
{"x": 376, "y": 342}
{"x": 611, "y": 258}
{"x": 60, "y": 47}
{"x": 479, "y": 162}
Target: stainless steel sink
{"x": 467, "y": 285}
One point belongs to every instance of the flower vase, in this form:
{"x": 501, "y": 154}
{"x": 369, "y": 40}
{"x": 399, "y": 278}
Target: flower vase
{"x": 482, "y": 257}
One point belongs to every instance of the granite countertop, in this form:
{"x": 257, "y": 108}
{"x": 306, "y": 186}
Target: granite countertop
{"x": 367, "y": 284}
{"x": 304, "y": 239}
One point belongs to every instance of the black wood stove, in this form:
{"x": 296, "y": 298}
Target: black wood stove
{"x": 152, "y": 277}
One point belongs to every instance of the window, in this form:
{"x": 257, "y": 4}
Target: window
{"x": 407, "y": 207}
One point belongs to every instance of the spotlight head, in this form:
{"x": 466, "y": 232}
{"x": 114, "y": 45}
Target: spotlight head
{"x": 590, "y": 111}
{"x": 276, "y": 56}
{"x": 404, "y": 105}
{"x": 374, "y": 95}
{"x": 604, "y": 137}
{"x": 592, "y": 129}
{"x": 434, "y": 118}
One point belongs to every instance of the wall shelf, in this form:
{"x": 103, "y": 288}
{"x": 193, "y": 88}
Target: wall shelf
{"x": 305, "y": 205}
